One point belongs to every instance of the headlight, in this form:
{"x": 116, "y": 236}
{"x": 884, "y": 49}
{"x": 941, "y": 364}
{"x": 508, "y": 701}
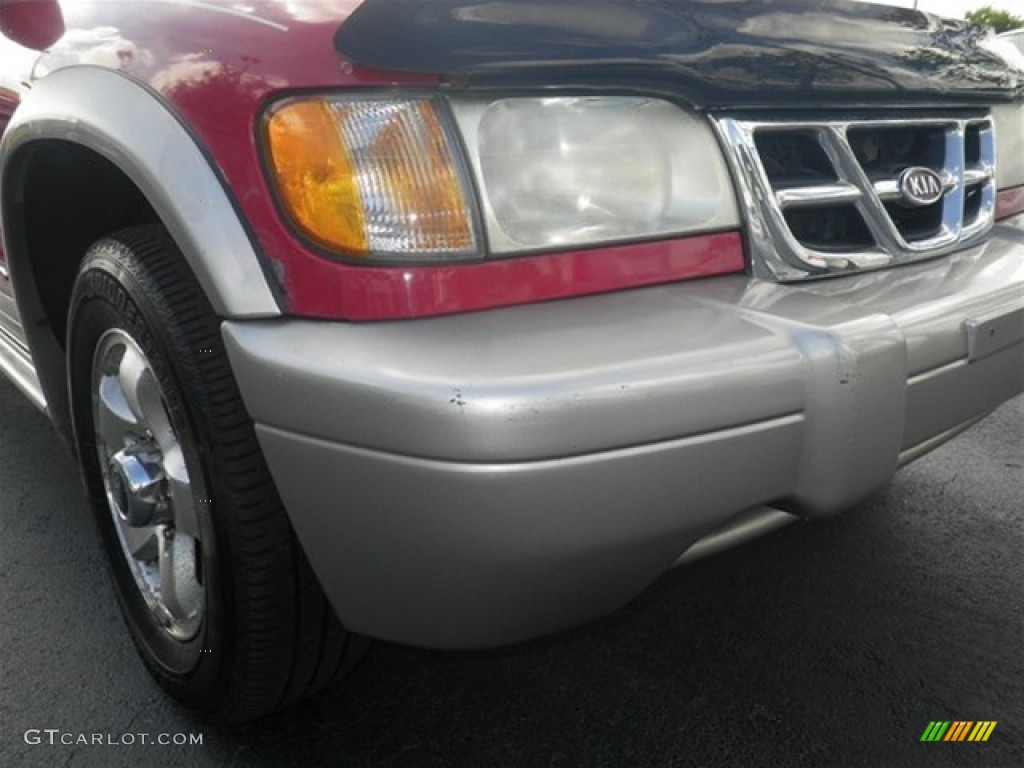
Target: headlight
{"x": 385, "y": 177}
{"x": 1009, "y": 128}
{"x": 564, "y": 172}
{"x": 366, "y": 176}
{"x": 1009, "y": 123}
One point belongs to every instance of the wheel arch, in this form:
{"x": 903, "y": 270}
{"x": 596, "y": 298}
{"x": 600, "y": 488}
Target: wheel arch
{"x": 89, "y": 152}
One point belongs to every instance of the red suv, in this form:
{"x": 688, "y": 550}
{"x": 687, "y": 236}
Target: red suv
{"x": 456, "y": 323}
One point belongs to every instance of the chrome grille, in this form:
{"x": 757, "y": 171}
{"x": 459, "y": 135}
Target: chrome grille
{"x": 832, "y": 196}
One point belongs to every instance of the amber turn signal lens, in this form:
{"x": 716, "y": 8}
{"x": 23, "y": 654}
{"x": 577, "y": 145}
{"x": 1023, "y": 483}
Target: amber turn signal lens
{"x": 315, "y": 175}
{"x": 370, "y": 177}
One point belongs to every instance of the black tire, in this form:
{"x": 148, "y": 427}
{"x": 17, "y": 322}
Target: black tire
{"x": 259, "y": 633}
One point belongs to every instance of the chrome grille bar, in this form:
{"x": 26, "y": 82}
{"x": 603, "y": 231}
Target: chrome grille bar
{"x": 818, "y": 195}
{"x": 880, "y": 204}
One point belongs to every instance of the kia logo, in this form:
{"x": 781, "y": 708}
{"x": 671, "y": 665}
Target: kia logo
{"x": 919, "y": 186}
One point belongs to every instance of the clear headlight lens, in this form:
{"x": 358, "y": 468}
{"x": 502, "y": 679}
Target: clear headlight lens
{"x": 563, "y": 172}
{"x": 367, "y": 176}
{"x": 1009, "y": 124}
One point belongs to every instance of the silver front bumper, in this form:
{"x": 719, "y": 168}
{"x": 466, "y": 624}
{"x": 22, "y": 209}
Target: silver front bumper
{"x": 479, "y": 479}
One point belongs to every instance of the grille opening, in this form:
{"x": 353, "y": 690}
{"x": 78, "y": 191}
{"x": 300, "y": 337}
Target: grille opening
{"x": 793, "y": 158}
{"x": 851, "y": 198}
{"x": 972, "y": 204}
{"x": 972, "y": 145}
{"x": 838, "y": 228}
{"x": 885, "y": 151}
{"x": 916, "y": 223}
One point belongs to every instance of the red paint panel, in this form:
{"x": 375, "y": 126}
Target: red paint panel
{"x": 377, "y": 293}
{"x": 1009, "y": 202}
{"x": 218, "y": 67}
{"x": 35, "y": 24}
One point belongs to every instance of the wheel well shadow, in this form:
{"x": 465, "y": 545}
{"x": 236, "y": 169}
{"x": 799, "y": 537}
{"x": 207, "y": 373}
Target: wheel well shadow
{"x": 58, "y": 199}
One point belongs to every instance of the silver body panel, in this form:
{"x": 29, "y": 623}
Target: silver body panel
{"x": 9, "y": 318}
{"x": 474, "y": 480}
{"x": 16, "y": 362}
{"x": 15, "y": 359}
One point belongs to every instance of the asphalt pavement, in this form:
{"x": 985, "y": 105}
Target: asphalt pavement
{"x": 827, "y": 644}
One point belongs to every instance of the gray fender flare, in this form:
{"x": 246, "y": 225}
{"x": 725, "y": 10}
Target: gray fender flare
{"x": 129, "y": 125}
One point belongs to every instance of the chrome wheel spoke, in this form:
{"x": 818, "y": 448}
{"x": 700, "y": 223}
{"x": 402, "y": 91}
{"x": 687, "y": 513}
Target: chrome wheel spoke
{"x": 180, "y": 592}
{"x": 115, "y": 422}
{"x": 141, "y": 543}
{"x": 142, "y": 395}
{"x": 179, "y": 493}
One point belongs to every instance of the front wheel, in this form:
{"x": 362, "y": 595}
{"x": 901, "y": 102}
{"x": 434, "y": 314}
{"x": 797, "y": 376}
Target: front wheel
{"x": 219, "y": 598}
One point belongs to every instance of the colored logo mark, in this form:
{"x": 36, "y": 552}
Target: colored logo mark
{"x": 958, "y": 730}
